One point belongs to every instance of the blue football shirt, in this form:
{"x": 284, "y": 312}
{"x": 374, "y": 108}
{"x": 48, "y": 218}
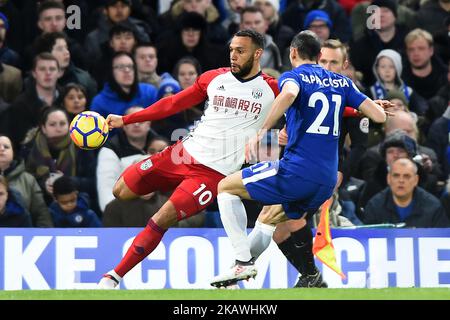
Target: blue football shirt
{"x": 313, "y": 121}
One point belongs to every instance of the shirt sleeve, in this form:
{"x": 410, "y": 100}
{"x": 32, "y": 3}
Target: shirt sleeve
{"x": 168, "y": 106}
{"x": 288, "y": 76}
{"x": 354, "y": 96}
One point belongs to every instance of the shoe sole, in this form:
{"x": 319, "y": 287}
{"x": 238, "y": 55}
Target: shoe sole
{"x": 231, "y": 286}
{"x": 225, "y": 283}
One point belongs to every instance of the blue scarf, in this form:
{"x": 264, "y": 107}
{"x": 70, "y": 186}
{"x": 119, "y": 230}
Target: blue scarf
{"x": 380, "y": 91}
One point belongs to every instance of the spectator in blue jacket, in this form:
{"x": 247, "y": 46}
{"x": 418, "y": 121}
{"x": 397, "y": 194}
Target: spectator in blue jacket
{"x": 7, "y": 55}
{"x": 404, "y": 201}
{"x": 70, "y": 208}
{"x": 122, "y": 90}
{"x": 12, "y": 212}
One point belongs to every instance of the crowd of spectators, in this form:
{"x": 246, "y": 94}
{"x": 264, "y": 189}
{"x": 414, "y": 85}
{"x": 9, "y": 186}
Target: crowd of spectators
{"x": 61, "y": 57}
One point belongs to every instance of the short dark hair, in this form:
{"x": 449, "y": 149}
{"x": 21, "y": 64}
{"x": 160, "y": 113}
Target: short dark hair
{"x": 44, "y": 56}
{"x": 123, "y": 27}
{"x": 188, "y": 60}
{"x": 50, "y": 4}
{"x": 72, "y": 85}
{"x": 45, "y": 112}
{"x": 257, "y": 38}
{"x": 110, "y": 3}
{"x": 46, "y": 41}
{"x": 307, "y": 44}
{"x": 144, "y": 44}
{"x": 63, "y": 185}
{"x": 194, "y": 20}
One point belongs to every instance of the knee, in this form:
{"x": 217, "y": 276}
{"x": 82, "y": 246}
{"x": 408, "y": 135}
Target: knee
{"x": 281, "y": 234}
{"x": 264, "y": 216}
{"x": 223, "y": 186}
{"x": 296, "y": 225}
{"x": 120, "y": 190}
{"x": 117, "y": 191}
{"x": 273, "y": 215}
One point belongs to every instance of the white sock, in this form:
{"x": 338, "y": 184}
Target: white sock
{"x": 115, "y": 275}
{"x": 234, "y": 220}
{"x": 260, "y": 238}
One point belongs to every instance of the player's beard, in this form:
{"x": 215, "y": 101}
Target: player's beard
{"x": 245, "y": 69}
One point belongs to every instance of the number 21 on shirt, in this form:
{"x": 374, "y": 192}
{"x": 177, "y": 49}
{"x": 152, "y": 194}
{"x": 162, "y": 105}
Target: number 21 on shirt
{"x": 316, "y": 127}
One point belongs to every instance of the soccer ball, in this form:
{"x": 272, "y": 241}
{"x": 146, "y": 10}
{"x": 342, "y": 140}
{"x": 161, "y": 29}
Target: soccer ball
{"x": 88, "y": 130}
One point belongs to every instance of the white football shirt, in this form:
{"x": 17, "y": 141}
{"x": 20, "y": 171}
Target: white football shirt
{"x": 235, "y": 110}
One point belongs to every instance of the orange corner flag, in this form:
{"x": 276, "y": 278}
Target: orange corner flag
{"x": 323, "y": 247}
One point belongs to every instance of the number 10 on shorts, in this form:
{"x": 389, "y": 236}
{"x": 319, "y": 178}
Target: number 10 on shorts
{"x": 205, "y": 195}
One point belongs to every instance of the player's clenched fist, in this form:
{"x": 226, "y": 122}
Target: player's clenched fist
{"x": 114, "y": 121}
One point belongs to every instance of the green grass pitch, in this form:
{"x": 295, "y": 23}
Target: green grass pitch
{"x": 260, "y": 294}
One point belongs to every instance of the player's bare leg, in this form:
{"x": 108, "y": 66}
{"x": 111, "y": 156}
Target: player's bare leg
{"x": 166, "y": 217}
{"x": 122, "y": 192}
{"x": 233, "y": 184}
{"x": 144, "y": 243}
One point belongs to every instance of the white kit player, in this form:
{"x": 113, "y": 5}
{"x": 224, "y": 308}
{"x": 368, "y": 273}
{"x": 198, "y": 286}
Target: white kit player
{"x": 237, "y": 101}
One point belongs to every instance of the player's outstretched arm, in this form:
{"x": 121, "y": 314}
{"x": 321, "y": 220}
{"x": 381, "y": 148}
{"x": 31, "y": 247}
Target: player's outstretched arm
{"x": 372, "y": 110}
{"x": 168, "y": 106}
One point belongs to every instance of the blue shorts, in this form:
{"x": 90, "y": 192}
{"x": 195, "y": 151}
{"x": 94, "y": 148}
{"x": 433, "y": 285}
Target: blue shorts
{"x": 269, "y": 183}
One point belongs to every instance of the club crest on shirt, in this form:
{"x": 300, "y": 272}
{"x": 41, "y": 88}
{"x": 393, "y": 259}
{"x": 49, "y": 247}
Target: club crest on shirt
{"x": 147, "y": 164}
{"x": 257, "y": 93}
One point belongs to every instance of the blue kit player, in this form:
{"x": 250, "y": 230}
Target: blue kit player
{"x": 313, "y": 100}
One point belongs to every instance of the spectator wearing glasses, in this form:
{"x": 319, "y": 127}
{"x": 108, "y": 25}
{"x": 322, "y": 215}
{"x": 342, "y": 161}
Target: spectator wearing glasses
{"x": 122, "y": 38}
{"x": 319, "y": 22}
{"x": 122, "y": 90}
